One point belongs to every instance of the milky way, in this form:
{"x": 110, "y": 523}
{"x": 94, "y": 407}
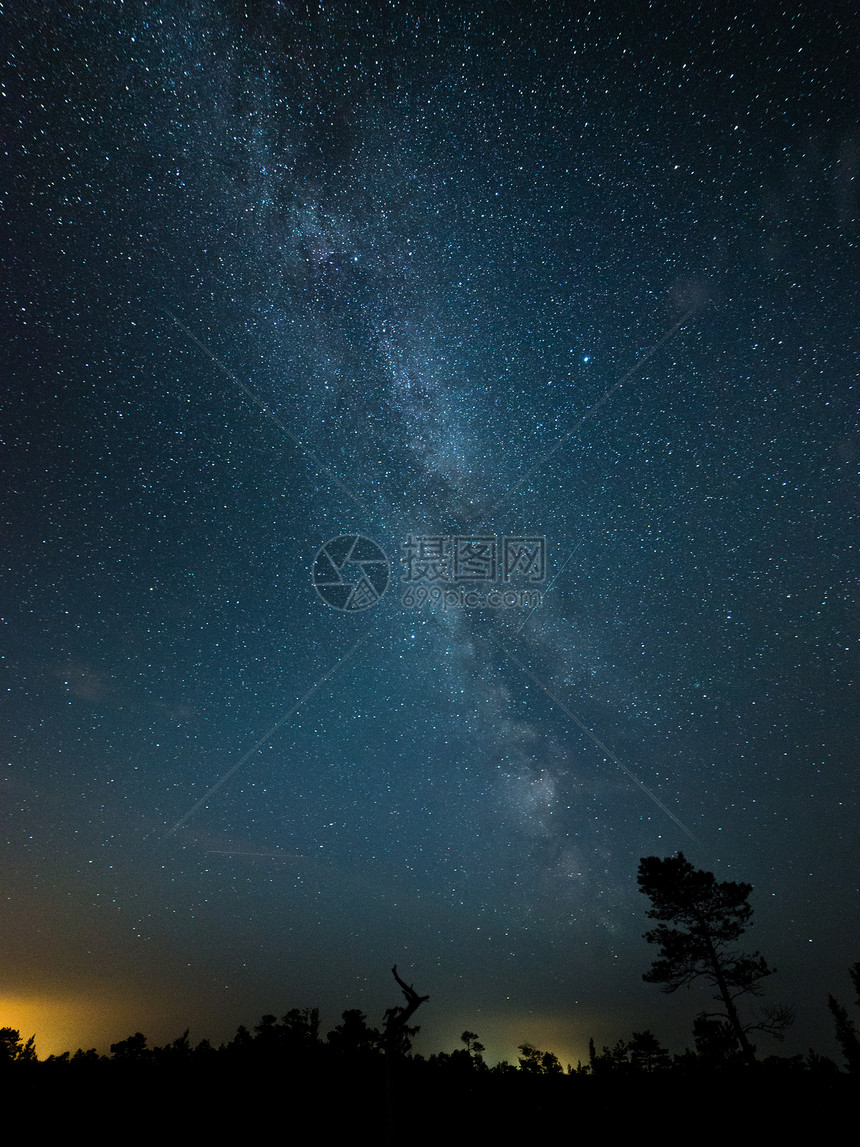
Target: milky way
{"x": 280, "y": 277}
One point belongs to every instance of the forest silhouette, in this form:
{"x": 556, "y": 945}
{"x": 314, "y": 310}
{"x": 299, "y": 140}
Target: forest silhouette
{"x": 365, "y": 1079}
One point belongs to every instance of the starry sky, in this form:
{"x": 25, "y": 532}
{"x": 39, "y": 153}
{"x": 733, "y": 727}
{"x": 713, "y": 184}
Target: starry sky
{"x": 277, "y": 273}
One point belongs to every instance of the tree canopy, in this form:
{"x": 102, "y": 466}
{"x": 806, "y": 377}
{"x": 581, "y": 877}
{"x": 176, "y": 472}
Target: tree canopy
{"x": 709, "y": 916}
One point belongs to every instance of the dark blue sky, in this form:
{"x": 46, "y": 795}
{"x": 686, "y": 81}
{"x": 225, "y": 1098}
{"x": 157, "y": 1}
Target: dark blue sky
{"x": 276, "y": 275}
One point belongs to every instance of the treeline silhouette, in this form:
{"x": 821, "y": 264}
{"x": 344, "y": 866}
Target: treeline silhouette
{"x": 361, "y": 1079}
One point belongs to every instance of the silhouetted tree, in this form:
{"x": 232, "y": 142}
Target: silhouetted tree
{"x": 300, "y": 1028}
{"x": 643, "y": 1052}
{"x": 266, "y": 1031}
{"x": 535, "y": 1062}
{"x": 710, "y": 917}
{"x": 715, "y": 1041}
{"x": 821, "y": 1065}
{"x": 178, "y": 1049}
{"x": 610, "y": 1059}
{"x": 397, "y": 1040}
{"x": 397, "y": 1036}
{"x": 204, "y": 1050}
{"x": 14, "y": 1050}
{"x": 293, "y": 1038}
{"x": 353, "y": 1037}
{"x": 647, "y": 1053}
{"x": 846, "y": 1032}
{"x": 132, "y": 1049}
{"x": 241, "y": 1043}
{"x": 474, "y": 1048}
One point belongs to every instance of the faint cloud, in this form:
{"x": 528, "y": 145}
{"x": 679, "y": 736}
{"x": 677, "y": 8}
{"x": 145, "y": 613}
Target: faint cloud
{"x": 85, "y": 682}
{"x": 692, "y": 293}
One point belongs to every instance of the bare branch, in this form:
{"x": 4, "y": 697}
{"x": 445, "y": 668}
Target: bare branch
{"x": 396, "y": 1032}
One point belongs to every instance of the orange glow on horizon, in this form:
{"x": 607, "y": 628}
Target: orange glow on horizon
{"x": 564, "y": 1035}
{"x": 65, "y": 1023}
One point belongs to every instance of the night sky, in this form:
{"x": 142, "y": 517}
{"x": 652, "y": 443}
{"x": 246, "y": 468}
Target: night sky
{"x": 277, "y": 274}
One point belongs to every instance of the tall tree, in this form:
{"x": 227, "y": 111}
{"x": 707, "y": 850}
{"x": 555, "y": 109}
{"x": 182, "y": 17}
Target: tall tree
{"x": 474, "y": 1048}
{"x": 397, "y": 1041}
{"x": 846, "y": 1032}
{"x": 709, "y": 917}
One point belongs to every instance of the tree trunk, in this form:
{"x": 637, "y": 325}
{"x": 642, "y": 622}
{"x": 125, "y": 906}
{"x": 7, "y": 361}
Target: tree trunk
{"x": 731, "y": 1010}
